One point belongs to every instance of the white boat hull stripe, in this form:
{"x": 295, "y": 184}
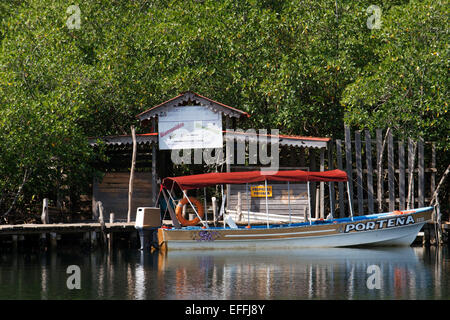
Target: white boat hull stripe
{"x": 278, "y": 234}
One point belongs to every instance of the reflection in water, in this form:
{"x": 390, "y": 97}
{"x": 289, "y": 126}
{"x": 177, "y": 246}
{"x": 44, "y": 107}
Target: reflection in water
{"x": 406, "y": 273}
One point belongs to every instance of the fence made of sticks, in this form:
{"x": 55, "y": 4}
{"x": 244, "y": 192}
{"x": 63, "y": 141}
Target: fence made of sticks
{"x": 384, "y": 174}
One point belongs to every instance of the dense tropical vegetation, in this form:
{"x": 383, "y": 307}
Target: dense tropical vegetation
{"x": 303, "y": 66}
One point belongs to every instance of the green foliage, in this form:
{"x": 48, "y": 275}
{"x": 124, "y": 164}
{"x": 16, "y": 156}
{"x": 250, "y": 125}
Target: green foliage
{"x": 300, "y": 66}
{"x": 408, "y": 88}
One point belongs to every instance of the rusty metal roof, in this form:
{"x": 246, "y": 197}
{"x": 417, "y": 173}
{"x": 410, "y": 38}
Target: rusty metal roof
{"x": 145, "y": 138}
{"x": 284, "y": 140}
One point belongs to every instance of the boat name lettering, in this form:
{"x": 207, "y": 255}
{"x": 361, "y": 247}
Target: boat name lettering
{"x": 379, "y": 224}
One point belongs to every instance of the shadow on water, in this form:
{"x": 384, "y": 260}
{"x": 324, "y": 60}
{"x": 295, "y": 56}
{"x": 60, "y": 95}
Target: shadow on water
{"x": 332, "y": 273}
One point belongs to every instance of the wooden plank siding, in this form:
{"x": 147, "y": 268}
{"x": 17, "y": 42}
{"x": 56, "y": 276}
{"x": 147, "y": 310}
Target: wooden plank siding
{"x": 389, "y": 188}
{"x": 279, "y": 203}
{"x": 112, "y": 191}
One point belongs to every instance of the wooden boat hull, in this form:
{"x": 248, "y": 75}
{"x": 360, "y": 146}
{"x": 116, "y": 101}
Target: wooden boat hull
{"x": 389, "y": 229}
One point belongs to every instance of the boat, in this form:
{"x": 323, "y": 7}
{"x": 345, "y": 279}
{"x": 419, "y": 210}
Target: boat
{"x": 396, "y": 228}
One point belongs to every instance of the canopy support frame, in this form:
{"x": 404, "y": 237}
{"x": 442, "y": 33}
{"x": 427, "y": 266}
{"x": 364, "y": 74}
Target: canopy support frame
{"x": 193, "y": 208}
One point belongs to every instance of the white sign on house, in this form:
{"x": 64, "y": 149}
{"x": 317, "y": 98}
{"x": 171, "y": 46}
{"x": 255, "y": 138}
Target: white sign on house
{"x": 189, "y": 127}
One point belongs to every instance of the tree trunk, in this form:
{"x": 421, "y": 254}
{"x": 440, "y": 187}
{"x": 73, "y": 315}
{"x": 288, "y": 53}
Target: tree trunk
{"x": 411, "y": 177}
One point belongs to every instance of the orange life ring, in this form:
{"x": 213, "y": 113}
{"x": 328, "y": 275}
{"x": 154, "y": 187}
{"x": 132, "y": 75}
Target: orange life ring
{"x": 179, "y": 212}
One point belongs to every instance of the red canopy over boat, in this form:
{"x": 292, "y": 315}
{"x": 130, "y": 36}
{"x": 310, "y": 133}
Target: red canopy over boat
{"x": 211, "y": 179}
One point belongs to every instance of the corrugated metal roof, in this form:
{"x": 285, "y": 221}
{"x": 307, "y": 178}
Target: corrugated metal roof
{"x": 145, "y": 138}
{"x": 284, "y": 140}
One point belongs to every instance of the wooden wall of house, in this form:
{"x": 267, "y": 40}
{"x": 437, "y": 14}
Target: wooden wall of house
{"x": 112, "y": 191}
{"x": 278, "y": 204}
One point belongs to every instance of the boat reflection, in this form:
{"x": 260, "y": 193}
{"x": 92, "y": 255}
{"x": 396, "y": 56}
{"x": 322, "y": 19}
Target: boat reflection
{"x": 329, "y": 273}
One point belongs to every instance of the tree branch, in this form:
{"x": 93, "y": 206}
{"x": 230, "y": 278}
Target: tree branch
{"x": 436, "y": 192}
{"x": 19, "y": 191}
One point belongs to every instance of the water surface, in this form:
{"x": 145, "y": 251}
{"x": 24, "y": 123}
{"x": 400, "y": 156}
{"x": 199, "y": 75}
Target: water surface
{"x": 405, "y": 273}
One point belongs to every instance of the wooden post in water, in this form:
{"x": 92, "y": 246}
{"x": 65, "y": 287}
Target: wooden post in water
{"x": 45, "y": 220}
{"x": 86, "y": 239}
{"x": 53, "y": 240}
{"x": 44, "y": 216}
{"x": 133, "y": 164}
{"x": 14, "y": 238}
{"x": 110, "y": 235}
{"x": 93, "y": 235}
{"x": 101, "y": 219}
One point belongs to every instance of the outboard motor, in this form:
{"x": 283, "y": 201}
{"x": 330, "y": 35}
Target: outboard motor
{"x": 148, "y": 220}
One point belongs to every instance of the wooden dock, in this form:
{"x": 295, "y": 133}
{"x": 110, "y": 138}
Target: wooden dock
{"x": 88, "y": 234}
{"x": 65, "y": 228}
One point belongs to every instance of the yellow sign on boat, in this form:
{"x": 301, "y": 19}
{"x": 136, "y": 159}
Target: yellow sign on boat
{"x": 260, "y": 191}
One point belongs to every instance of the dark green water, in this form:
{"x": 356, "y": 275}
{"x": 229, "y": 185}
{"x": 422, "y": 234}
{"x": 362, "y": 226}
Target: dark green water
{"x": 404, "y": 273}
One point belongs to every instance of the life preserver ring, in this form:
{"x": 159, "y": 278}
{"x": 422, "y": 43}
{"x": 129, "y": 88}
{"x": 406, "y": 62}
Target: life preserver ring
{"x": 179, "y": 211}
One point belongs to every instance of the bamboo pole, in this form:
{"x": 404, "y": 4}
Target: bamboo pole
{"x": 133, "y": 165}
